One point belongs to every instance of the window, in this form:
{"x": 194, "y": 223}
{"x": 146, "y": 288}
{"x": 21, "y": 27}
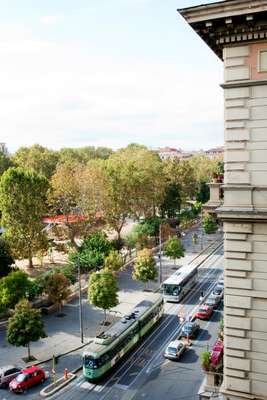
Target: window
{"x": 262, "y": 67}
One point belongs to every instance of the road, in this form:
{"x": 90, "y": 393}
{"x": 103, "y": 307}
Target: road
{"x": 145, "y": 373}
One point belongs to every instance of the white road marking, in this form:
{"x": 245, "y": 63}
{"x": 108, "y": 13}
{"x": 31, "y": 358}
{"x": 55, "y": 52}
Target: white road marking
{"x": 98, "y": 388}
{"x": 86, "y": 385}
{"x": 123, "y": 387}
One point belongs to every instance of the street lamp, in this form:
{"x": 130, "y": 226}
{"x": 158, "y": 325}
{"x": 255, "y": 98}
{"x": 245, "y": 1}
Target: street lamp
{"x": 160, "y": 254}
{"x": 80, "y": 299}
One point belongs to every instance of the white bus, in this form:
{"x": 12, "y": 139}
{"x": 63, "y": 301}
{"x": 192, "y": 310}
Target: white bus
{"x": 179, "y": 283}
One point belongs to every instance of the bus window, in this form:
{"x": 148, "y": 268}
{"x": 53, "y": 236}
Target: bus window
{"x": 172, "y": 290}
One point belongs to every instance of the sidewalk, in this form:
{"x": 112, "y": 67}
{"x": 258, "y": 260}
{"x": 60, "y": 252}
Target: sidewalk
{"x": 63, "y": 332}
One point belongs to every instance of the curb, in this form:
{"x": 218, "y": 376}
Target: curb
{"x": 64, "y": 383}
{"x": 62, "y": 354}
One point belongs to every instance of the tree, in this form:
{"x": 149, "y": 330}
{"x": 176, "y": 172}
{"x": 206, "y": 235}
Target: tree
{"x": 5, "y": 161}
{"x": 174, "y": 249}
{"x": 37, "y": 158}
{"x": 6, "y": 260}
{"x": 203, "y": 192}
{"x": 145, "y": 267}
{"x": 64, "y": 197}
{"x": 171, "y": 205}
{"x": 57, "y": 288}
{"x": 84, "y": 154}
{"x": 204, "y": 167}
{"x": 13, "y": 288}
{"x": 181, "y": 181}
{"x": 150, "y": 226}
{"x": 23, "y": 205}
{"x": 103, "y": 290}
{"x": 209, "y": 224}
{"x": 77, "y": 191}
{"x": 92, "y": 252}
{"x": 113, "y": 262}
{"x": 134, "y": 185}
{"x": 25, "y": 326}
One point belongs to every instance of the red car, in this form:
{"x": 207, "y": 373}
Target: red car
{"x": 27, "y": 378}
{"x": 204, "y": 312}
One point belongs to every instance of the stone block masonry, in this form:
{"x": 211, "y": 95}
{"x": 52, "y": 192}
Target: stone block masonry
{"x": 236, "y": 30}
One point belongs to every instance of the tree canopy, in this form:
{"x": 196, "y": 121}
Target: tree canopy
{"x": 6, "y": 259}
{"x": 25, "y": 326}
{"x": 23, "y": 205}
{"x": 145, "y": 266}
{"x": 57, "y": 288}
{"x": 5, "y": 161}
{"x": 113, "y": 262}
{"x": 92, "y": 252}
{"x": 174, "y": 248}
{"x": 37, "y": 158}
{"x": 103, "y": 290}
{"x": 13, "y": 288}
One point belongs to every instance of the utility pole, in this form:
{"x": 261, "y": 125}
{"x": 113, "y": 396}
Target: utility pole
{"x": 160, "y": 255}
{"x": 80, "y": 299}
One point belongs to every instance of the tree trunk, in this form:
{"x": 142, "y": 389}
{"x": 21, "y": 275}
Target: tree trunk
{"x": 30, "y": 260}
{"x": 105, "y": 315}
{"x": 29, "y": 351}
{"x": 119, "y": 234}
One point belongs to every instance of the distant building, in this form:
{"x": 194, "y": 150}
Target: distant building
{"x": 166, "y": 153}
{"x": 215, "y": 152}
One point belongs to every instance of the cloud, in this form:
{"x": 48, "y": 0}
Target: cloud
{"x": 63, "y": 95}
{"x": 50, "y": 19}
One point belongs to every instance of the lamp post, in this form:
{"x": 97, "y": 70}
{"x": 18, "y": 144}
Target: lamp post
{"x": 80, "y": 300}
{"x": 160, "y": 254}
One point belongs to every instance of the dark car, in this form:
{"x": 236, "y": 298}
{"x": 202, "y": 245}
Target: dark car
{"x": 213, "y": 301}
{"x": 7, "y": 374}
{"x": 190, "y": 329}
{"x": 204, "y": 312}
{"x": 218, "y": 291}
{"x": 27, "y": 378}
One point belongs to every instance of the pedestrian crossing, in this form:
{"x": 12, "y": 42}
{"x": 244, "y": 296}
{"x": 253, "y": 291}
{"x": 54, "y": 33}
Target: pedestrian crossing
{"x": 90, "y": 386}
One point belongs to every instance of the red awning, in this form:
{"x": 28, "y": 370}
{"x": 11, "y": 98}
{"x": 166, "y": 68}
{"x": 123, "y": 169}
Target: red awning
{"x": 61, "y": 219}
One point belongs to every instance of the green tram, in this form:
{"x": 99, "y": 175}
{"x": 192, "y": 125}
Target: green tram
{"x": 110, "y": 346}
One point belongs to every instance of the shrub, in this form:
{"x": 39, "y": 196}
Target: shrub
{"x": 209, "y": 224}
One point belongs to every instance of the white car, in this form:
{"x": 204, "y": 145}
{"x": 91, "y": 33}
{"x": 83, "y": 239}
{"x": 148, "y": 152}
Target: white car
{"x": 175, "y": 349}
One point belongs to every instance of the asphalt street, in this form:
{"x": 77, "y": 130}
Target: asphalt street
{"x": 145, "y": 373}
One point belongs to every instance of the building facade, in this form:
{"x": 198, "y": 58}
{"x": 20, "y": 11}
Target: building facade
{"x": 236, "y": 30}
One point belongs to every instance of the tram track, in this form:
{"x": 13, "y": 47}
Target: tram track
{"x": 161, "y": 329}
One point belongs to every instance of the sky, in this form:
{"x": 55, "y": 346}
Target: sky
{"x": 106, "y": 73}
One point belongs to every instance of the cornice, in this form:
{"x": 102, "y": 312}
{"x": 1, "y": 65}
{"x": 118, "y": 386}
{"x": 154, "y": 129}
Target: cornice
{"x": 243, "y": 84}
{"x": 228, "y": 22}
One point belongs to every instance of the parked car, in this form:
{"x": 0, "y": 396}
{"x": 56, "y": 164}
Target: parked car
{"x": 204, "y": 312}
{"x": 213, "y": 301}
{"x": 175, "y": 349}
{"x": 27, "y": 378}
{"x": 218, "y": 291}
{"x": 220, "y": 282}
{"x": 7, "y": 374}
{"x": 190, "y": 329}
